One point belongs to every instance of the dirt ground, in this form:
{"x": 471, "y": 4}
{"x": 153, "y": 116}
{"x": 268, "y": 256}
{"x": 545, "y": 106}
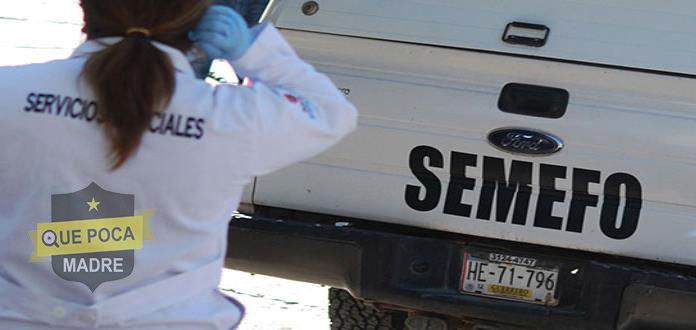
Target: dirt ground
{"x": 34, "y": 31}
{"x": 275, "y": 304}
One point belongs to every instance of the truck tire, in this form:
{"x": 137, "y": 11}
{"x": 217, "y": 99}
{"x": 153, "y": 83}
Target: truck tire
{"x": 348, "y": 313}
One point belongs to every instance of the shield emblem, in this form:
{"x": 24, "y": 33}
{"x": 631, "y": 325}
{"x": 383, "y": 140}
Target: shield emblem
{"x": 91, "y": 203}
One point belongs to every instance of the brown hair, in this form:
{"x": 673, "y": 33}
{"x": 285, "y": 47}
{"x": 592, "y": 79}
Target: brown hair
{"x": 132, "y": 79}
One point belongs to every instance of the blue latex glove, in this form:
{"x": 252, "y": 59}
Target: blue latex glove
{"x": 222, "y": 34}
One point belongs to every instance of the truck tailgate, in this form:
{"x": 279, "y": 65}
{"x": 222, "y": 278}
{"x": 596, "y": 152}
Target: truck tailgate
{"x": 421, "y": 150}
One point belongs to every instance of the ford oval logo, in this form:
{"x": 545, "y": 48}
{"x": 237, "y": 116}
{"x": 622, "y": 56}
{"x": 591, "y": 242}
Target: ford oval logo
{"x": 524, "y": 141}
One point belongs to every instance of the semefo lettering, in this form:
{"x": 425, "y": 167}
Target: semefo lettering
{"x": 512, "y": 192}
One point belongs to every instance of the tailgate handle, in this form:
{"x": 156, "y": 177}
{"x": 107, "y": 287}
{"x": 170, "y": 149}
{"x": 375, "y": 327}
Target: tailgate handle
{"x": 528, "y": 34}
{"x": 532, "y": 100}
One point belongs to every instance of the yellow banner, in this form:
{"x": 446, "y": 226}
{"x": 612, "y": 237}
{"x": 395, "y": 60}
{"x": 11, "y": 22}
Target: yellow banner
{"x": 509, "y": 291}
{"x": 87, "y": 236}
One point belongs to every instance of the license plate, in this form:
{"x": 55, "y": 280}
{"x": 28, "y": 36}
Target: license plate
{"x": 509, "y": 277}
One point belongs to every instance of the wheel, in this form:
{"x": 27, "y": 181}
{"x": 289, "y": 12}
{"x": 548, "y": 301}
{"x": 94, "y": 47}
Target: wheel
{"x": 348, "y": 313}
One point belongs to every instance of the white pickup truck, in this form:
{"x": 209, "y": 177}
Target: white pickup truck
{"x": 519, "y": 164}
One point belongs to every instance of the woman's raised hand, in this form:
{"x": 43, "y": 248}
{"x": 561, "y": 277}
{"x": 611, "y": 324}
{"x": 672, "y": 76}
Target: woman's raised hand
{"x": 222, "y": 34}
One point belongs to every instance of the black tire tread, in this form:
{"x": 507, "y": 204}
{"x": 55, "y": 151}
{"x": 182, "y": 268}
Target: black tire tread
{"x": 347, "y": 313}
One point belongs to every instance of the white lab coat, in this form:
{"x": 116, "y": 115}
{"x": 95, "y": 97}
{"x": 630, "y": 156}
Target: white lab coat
{"x": 192, "y": 175}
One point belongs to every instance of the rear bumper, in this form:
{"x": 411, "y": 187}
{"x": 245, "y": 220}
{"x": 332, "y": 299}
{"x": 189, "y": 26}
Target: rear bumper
{"x": 420, "y": 270}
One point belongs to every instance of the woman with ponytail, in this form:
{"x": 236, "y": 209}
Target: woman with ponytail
{"x": 124, "y": 125}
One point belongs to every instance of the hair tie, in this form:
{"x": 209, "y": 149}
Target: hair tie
{"x": 136, "y": 30}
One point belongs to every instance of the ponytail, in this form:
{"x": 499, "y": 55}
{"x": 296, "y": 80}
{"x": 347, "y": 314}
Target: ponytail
{"x": 132, "y": 79}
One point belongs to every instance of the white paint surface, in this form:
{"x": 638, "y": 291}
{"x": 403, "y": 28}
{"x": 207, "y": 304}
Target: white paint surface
{"x": 410, "y": 95}
{"x": 620, "y": 32}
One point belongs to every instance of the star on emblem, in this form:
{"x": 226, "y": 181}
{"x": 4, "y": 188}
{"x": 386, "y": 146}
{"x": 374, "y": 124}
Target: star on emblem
{"x": 93, "y": 205}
